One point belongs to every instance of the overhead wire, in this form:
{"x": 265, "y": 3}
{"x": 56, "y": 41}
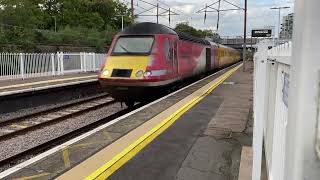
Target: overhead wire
{"x": 161, "y": 15}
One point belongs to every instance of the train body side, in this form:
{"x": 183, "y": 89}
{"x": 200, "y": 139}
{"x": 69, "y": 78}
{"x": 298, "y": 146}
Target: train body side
{"x": 139, "y": 64}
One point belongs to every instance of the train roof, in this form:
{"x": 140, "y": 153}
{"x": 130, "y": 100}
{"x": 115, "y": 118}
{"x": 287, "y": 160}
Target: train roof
{"x": 186, "y": 37}
{"x": 147, "y": 28}
{"x": 226, "y": 47}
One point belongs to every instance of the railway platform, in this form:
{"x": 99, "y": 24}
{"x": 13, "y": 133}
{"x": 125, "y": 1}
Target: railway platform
{"x": 9, "y": 87}
{"x": 203, "y": 131}
{"x": 45, "y": 91}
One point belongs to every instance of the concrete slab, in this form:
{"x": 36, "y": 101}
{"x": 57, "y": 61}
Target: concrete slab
{"x": 216, "y": 154}
{"x": 162, "y": 158}
{"x": 246, "y": 163}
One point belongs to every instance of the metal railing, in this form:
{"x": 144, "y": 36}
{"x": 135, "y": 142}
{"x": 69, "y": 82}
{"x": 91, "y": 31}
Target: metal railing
{"x": 271, "y": 87}
{"x": 29, "y": 65}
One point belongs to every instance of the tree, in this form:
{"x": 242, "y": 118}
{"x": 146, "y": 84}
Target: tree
{"x": 185, "y": 28}
{"x": 79, "y": 22}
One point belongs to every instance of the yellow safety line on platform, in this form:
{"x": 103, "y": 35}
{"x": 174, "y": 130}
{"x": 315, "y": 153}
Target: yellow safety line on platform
{"x": 120, "y": 159}
{"x": 48, "y": 81}
{"x": 66, "y": 159}
{"x": 33, "y": 176}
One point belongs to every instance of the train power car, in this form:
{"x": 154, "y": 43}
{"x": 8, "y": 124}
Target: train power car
{"x": 148, "y": 57}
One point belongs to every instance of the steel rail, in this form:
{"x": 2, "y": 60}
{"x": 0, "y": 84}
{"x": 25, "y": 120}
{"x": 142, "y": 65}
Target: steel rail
{"x": 61, "y": 109}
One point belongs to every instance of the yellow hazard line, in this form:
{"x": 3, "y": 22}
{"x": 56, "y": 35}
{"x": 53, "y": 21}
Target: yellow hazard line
{"x": 48, "y": 81}
{"x": 66, "y": 159}
{"x": 124, "y": 156}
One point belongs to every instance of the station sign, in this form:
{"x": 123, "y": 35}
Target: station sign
{"x": 261, "y": 33}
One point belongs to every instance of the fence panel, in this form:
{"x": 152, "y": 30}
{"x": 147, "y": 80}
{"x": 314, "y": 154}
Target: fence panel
{"x": 36, "y": 65}
{"x": 71, "y": 62}
{"x": 100, "y": 60}
{"x": 31, "y": 65}
{"x": 9, "y": 66}
{"x": 275, "y": 111}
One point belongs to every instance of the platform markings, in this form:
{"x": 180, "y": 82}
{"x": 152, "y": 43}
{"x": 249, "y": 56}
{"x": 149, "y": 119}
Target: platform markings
{"x": 66, "y": 159}
{"x": 125, "y": 155}
{"x": 45, "y": 87}
{"x": 85, "y": 135}
{"x": 33, "y": 176}
{"x": 46, "y": 82}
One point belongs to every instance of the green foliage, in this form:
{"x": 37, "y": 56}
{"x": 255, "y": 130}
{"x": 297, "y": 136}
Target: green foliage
{"x": 78, "y": 22}
{"x": 185, "y": 28}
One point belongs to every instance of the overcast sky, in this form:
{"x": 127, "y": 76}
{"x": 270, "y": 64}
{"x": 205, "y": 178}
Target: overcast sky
{"x": 231, "y": 22}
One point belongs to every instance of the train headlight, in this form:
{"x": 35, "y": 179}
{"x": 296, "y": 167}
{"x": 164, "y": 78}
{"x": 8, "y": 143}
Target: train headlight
{"x": 139, "y": 73}
{"x": 147, "y": 73}
{"x": 105, "y": 72}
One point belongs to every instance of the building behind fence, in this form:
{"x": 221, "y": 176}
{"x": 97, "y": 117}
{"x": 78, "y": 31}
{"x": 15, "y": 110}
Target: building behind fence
{"x": 29, "y": 65}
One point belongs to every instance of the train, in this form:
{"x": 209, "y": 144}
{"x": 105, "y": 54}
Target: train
{"x": 147, "y": 58}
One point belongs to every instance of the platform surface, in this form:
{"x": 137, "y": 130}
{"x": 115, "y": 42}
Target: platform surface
{"x": 193, "y": 134}
{"x": 21, "y": 85}
{"x": 205, "y": 143}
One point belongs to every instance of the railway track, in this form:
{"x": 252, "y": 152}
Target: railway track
{"x": 19, "y": 126}
{"x": 24, "y": 124}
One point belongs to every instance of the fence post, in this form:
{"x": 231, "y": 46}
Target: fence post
{"x": 52, "y": 65}
{"x": 94, "y": 62}
{"x": 81, "y": 61}
{"x": 22, "y": 66}
{"x": 260, "y": 93}
{"x": 84, "y": 61}
{"x": 61, "y": 63}
{"x": 58, "y": 63}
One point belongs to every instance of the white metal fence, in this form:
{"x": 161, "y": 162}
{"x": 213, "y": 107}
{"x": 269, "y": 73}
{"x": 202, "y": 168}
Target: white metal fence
{"x": 28, "y": 65}
{"x": 271, "y": 87}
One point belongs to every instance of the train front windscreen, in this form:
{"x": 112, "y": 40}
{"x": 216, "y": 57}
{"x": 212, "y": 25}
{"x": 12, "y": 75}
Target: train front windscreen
{"x": 133, "y": 45}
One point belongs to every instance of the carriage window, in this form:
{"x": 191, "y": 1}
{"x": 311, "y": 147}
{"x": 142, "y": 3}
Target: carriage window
{"x": 167, "y": 50}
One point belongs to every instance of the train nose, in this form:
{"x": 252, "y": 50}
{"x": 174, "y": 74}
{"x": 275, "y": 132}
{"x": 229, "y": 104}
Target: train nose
{"x": 133, "y": 67}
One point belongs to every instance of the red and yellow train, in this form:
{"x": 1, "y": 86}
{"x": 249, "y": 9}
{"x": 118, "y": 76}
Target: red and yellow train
{"x": 148, "y": 57}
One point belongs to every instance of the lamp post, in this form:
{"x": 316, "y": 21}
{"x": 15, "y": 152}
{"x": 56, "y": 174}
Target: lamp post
{"x": 279, "y": 16}
{"x": 244, "y": 37}
{"x": 121, "y": 21}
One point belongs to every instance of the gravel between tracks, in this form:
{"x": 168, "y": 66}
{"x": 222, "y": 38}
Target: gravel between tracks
{"x": 20, "y": 143}
{"x": 22, "y": 112}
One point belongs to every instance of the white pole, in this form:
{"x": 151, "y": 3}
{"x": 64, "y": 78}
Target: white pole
{"x": 122, "y": 22}
{"x": 52, "y": 65}
{"x": 301, "y": 161}
{"x": 81, "y": 61}
{"x": 21, "y": 65}
{"x": 260, "y": 101}
{"x": 85, "y": 62}
{"x": 94, "y": 62}
{"x": 61, "y": 63}
{"x": 279, "y": 22}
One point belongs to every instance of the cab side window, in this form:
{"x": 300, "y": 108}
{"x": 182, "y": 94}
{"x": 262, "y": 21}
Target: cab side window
{"x": 167, "y": 50}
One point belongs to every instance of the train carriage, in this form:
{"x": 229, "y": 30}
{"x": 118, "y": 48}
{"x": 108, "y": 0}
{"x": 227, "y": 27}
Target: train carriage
{"x": 146, "y": 58}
